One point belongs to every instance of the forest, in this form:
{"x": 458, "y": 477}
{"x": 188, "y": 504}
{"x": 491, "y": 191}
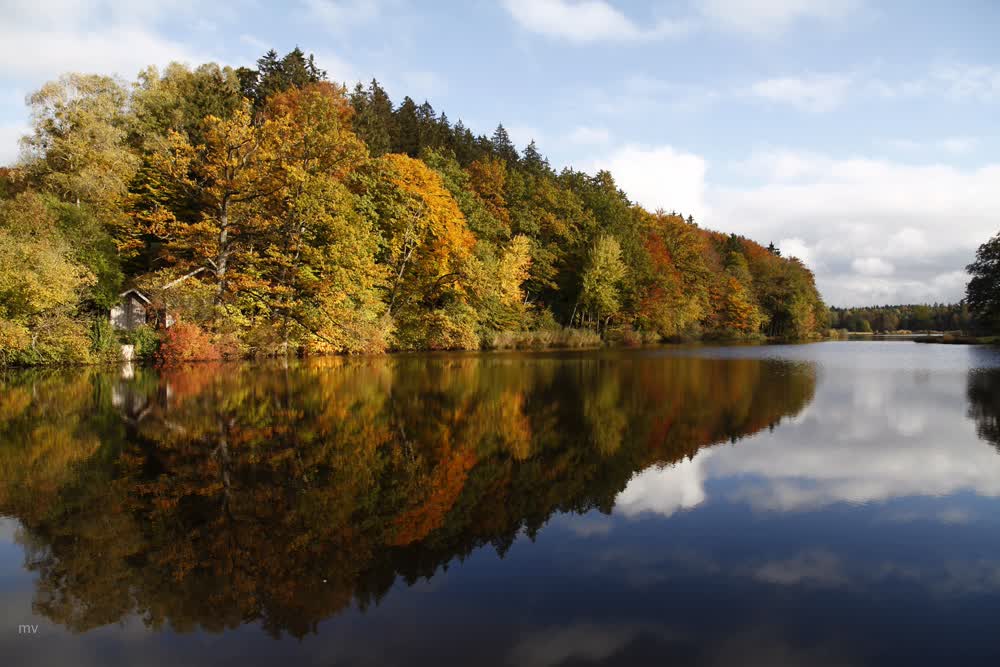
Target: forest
{"x": 887, "y": 319}
{"x": 266, "y": 211}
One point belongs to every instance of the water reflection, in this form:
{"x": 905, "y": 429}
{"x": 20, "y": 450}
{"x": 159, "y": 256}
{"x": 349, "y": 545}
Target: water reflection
{"x": 816, "y": 505}
{"x": 214, "y": 496}
{"x": 984, "y": 403}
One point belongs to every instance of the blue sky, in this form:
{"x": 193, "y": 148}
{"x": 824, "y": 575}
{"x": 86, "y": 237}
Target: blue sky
{"x": 860, "y": 136}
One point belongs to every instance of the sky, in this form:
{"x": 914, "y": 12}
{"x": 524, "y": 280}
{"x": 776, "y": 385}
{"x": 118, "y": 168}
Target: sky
{"x": 859, "y": 136}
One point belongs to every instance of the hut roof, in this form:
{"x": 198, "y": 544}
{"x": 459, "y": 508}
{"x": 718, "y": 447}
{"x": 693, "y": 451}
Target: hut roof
{"x": 139, "y": 294}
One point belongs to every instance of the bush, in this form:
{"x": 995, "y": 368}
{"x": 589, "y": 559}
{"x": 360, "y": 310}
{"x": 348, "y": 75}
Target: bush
{"x": 145, "y": 341}
{"x": 186, "y": 342}
{"x": 629, "y": 337}
{"x": 561, "y": 337}
{"x": 53, "y": 339}
{"x": 103, "y": 342}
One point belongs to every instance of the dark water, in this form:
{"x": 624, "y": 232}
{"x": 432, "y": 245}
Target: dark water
{"x": 826, "y": 504}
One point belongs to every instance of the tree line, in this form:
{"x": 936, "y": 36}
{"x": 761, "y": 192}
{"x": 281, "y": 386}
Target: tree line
{"x": 913, "y": 317}
{"x": 267, "y": 210}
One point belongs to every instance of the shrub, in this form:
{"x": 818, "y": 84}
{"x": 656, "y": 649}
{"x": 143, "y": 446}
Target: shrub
{"x": 103, "y": 342}
{"x": 144, "y": 339}
{"x": 560, "y": 337}
{"x": 54, "y": 339}
{"x": 186, "y": 342}
{"x": 629, "y": 337}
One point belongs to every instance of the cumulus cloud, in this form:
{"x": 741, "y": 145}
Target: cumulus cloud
{"x": 872, "y": 266}
{"x": 825, "y": 455}
{"x": 828, "y": 457}
{"x": 598, "y": 20}
{"x": 105, "y": 36}
{"x": 659, "y": 177}
{"x": 874, "y": 231}
{"x": 587, "y": 21}
{"x": 829, "y": 91}
{"x": 797, "y": 248}
{"x": 665, "y": 490}
{"x": 10, "y": 134}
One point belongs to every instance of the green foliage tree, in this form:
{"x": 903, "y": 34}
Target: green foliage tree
{"x": 374, "y": 122}
{"x": 982, "y": 294}
{"x": 40, "y": 287}
{"x": 77, "y": 148}
{"x": 602, "y": 279}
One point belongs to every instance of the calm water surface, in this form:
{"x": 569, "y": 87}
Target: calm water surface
{"x": 826, "y": 504}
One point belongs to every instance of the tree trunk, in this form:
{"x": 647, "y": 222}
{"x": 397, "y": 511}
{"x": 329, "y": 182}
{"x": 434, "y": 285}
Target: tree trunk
{"x": 222, "y": 258}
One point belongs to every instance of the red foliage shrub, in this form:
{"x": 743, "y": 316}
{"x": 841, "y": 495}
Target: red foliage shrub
{"x": 186, "y": 342}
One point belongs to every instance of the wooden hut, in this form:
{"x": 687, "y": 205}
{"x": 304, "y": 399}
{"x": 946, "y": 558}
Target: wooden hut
{"x": 132, "y": 311}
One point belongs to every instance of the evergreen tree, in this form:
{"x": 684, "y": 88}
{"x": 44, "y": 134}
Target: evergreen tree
{"x": 272, "y": 75}
{"x": 503, "y": 147}
{"x": 406, "y": 129}
{"x": 534, "y": 161}
{"x": 373, "y": 121}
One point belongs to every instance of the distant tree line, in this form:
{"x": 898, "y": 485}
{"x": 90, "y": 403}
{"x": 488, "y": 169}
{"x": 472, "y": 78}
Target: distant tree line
{"x": 936, "y": 317}
{"x": 291, "y": 215}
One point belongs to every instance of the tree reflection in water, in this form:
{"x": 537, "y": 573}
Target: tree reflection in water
{"x": 216, "y": 495}
{"x": 983, "y": 392}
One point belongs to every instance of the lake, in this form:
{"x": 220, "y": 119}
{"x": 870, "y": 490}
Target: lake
{"x": 834, "y": 503}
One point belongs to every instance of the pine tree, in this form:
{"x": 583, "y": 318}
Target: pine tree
{"x": 373, "y": 118}
{"x": 406, "y": 136}
{"x": 533, "y": 161}
{"x": 503, "y": 147}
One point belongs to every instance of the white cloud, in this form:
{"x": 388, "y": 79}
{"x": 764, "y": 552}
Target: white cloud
{"x": 954, "y": 81}
{"x": 589, "y": 136}
{"x": 872, "y": 266}
{"x": 958, "y": 83}
{"x": 782, "y": 165}
{"x": 658, "y": 177}
{"x": 665, "y": 490}
{"x": 586, "y": 21}
{"x": 813, "y": 93}
{"x": 767, "y": 18}
{"x": 799, "y": 249}
{"x": 112, "y": 36}
{"x": 10, "y": 134}
{"x": 827, "y": 457}
{"x": 924, "y": 220}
